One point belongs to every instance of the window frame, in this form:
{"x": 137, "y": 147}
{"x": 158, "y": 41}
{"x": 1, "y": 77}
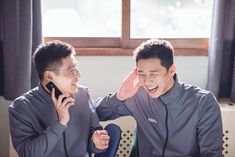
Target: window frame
{"x": 124, "y": 45}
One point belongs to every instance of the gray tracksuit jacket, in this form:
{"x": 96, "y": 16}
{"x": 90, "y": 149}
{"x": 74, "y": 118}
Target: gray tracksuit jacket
{"x": 184, "y": 122}
{"x": 36, "y": 132}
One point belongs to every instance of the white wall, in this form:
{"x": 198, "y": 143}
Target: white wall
{"x": 104, "y": 75}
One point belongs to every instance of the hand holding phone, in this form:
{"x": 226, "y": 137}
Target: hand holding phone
{"x": 63, "y": 106}
{"x": 51, "y": 85}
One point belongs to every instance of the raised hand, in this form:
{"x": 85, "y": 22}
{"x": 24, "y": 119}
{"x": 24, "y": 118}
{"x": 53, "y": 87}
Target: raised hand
{"x": 101, "y": 139}
{"x": 62, "y": 105}
{"x": 129, "y": 86}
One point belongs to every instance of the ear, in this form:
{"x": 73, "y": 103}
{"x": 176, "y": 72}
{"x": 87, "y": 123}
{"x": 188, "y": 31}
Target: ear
{"x": 172, "y": 70}
{"x": 48, "y": 75}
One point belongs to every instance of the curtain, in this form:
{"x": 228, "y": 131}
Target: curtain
{"x": 221, "y": 72}
{"x": 1, "y": 51}
{"x": 21, "y": 33}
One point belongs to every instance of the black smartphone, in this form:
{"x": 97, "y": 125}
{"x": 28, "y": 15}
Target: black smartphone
{"x": 51, "y": 85}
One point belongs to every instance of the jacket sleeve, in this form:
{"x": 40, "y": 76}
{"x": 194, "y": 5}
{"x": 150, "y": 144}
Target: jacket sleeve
{"x": 109, "y": 108}
{"x": 94, "y": 125}
{"x": 210, "y": 131}
{"x": 26, "y": 141}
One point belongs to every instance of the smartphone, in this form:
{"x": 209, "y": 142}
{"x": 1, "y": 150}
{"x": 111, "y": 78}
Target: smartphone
{"x": 51, "y": 85}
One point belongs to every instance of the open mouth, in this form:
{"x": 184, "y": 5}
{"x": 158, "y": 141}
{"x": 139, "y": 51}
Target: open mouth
{"x": 75, "y": 84}
{"x": 152, "y": 89}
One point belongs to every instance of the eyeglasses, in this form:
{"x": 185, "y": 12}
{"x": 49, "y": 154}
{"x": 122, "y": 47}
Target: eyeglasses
{"x": 74, "y": 70}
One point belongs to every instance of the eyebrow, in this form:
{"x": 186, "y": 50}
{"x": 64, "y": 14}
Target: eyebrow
{"x": 152, "y": 71}
{"x": 155, "y": 71}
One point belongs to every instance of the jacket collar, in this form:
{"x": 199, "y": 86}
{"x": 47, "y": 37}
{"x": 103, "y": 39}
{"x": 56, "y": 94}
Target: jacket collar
{"x": 173, "y": 93}
{"x": 44, "y": 93}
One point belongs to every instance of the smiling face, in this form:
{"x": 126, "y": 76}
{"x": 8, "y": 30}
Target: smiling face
{"x": 67, "y": 76}
{"x": 154, "y": 77}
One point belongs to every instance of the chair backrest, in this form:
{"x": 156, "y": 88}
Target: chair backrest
{"x": 114, "y": 132}
{"x": 127, "y": 125}
{"x": 134, "y": 145}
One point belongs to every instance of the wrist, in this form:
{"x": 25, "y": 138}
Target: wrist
{"x": 63, "y": 123}
{"x": 120, "y": 97}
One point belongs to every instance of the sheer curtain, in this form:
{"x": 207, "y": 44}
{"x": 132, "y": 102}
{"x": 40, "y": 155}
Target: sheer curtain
{"x": 221, "y": 72}
{"x": 21, "y": 32}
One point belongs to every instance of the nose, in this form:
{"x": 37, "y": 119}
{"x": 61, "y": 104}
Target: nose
{"x": 77, "y": 73}
{"x": 147, "y": 80}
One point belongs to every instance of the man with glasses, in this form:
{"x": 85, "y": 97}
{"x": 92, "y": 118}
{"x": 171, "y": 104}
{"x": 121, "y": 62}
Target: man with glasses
{"x": 44, "y": 125}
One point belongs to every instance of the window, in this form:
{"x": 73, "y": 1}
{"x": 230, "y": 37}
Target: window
{"x": 115, "y": 27}
{"x": 82, "y": 18}
{"x": 171, "y": 18}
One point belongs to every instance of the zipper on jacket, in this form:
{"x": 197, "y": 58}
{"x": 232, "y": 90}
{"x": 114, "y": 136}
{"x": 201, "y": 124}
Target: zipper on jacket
{"x": 65, "y": 149}
{"x": 167, "y": 132}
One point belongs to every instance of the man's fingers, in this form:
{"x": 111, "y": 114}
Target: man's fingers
{"x": 53, "y": 96}
{"x": 66, "y": 100}
{"x": 104, "y": 137}
{"x": 105, "y": 143}
{"x": 133, "y": 74}
{"x": 68, "y": 105}
{"x": 104, "y": 140}
{"x": 101, "y": 132}
{"x": 63, "y": 97}
{"x": 137, "y": 85}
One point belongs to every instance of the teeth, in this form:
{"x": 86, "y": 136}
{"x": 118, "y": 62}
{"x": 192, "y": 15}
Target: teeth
{"x": 150, "y": 88}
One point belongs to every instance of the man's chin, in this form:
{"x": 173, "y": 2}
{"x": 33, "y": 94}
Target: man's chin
{"x": 73, "y": 91}
{"x": 154, "y": 95}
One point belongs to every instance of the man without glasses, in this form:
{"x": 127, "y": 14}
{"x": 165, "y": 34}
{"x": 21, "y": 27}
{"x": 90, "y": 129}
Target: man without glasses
{"x": 174, "y": 119}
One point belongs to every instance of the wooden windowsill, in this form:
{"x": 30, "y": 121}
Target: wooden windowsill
{"x": 114, "y": 47}
{"x": 129, "y": 52}
{"x": 124, "y": 45}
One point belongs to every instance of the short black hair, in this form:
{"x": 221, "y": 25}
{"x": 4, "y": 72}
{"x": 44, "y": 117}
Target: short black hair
{"x": 48, "y": 56}
{"x": 155, "y": 48}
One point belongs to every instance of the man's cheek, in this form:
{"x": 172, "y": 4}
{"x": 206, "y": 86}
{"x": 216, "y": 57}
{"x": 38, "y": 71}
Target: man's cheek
{"x": 141, "y": 82}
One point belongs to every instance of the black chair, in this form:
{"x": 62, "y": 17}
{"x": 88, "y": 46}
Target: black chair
{"x": 114, "y": 132}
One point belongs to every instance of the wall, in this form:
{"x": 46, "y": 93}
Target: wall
{"x": 105, "y": 74}
{"x": 4, "y": 127}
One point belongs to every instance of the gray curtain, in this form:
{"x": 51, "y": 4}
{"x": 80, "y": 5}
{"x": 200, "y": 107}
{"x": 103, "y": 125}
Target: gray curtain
{"x": 1, "y": 51}
{"x": 21, "y": 32}
{"x": 221, "y": 74}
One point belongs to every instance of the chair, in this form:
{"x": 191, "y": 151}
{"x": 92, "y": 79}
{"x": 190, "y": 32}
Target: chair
{"x": 134, "y": 145}
{"x": 114, "y": 132}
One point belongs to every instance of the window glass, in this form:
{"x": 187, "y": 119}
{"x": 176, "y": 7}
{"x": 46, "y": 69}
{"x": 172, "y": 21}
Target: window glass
{"x": 171, "y": 18}
{"x": 81, "y": 18}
